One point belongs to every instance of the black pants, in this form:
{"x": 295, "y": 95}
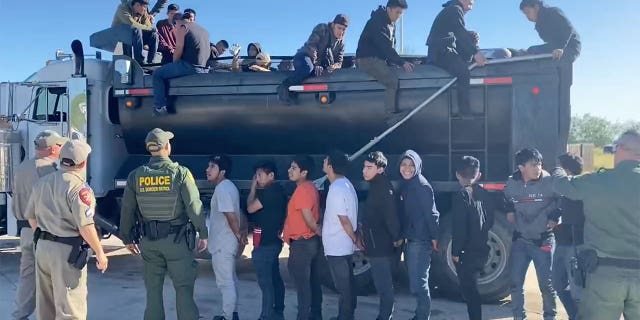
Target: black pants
{"x": 304, "y": 265}
{"x": 342, "y": 273}
{"x": 468, "y": 269}
{"x": 140, "y": 38}
{"x": 458, "y": 67}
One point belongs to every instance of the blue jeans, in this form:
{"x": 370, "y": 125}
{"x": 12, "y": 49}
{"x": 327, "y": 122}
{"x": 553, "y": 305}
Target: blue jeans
{"x": 522, "y": 253}
{"x": 169, "y": 71}
{"x": 140, "y": 38}
{"x": 265, "y": 261}
{"x": 382, "y": 275}
{"x": 418, "y": 258}
{"x": 568, "y": 291}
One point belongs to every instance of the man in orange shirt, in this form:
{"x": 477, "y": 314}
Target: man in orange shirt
{"x": 301, "y": 232}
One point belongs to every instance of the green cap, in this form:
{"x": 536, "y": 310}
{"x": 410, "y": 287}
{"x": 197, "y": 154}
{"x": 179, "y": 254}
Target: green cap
{"x": 48, "y": 138}
{"x": 74, "y": 152}
{"x": 157, "y": 139}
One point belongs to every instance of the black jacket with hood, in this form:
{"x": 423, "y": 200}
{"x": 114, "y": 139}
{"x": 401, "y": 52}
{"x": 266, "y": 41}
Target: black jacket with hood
{"x": 472, "y": 211}
{"x": 449, "y": 33}
{"x": 419, "y": 212}
{"x": 380, "y": 221}
{"x": 378, "y": 38}
{"x": 251, "y": 60}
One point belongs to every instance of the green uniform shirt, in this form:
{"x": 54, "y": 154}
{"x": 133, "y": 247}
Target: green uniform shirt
{"x": 187, "y": 197}
{"x": 611, "y": 208}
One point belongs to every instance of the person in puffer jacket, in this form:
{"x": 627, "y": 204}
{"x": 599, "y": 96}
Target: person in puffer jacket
{"x": 419, "y": 218}
{"x": 532, "y": 208}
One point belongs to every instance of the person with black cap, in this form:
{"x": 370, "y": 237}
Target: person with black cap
{"x": 190, "y": 57}
{"x": 135, "y": 14}
{"x": 60, "y": 211}
{"x": 47, "y": 146}
{"x": 166, "y": 37}
{"x": 323, "y": 52}
{"x": 376, "y": 52}
{"x": 225, "y": 221}
{"x": 452, "y": 47}
{"x": 161, "y": 213}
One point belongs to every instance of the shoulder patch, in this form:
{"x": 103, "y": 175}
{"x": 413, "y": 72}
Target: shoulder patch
{"x": 391, "y": 192}
{"x": 85, "y": 196}
{"x": 89, "y": 213}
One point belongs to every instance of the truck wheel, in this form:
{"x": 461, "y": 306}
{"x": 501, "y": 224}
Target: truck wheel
{"x": 361, "y": 273}
{"x": 494, "y": 282}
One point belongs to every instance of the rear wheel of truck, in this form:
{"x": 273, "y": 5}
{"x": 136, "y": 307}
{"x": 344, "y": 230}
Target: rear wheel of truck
{"x": 494, "y": 282}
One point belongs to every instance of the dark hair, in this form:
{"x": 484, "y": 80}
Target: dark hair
{"x": 304, "y": 162}
{"x": 377, "y": 158}
{"x": 338, "y": 161}
{"x": 173, "y": 7}
{"x": 224, "y": 43}
{"x": 142, "y": 2}
{"x": 186, "y": 16}
{"x": 267, "y": 167}
{"x": 467, "y": 167}
{"x": 223, "y": 161}
{"x": 528, "y": 154}
{"x": 530, "y": 4}
{"x": 189, "y": 10}
{"x": 572, "y": 163}
{"x": 397, "y": 3}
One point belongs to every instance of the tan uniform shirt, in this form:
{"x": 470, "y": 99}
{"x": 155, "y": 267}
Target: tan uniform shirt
{"x": 25, "y": 176}
{"x": 62, "y": 203}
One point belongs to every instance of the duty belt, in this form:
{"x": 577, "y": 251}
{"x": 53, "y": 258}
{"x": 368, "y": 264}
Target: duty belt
{"x": 71, "y": 241}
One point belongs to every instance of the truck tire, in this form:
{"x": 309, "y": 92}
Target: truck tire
{"x": 494, "y": 282}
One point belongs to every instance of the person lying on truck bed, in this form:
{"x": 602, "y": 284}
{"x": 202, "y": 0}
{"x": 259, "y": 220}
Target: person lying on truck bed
{"x": 190, "y": 57}
{"x": 323, "y": 51}
{"x": 553, "y": 27}
{"x": 452, "y": 47}
{"x": 376, "y": 52}
{"x": 134, "y": 13}
{"x": 217, "y": 50}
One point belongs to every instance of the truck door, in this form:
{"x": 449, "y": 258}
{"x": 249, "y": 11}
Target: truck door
{"x": 49, "y": 112}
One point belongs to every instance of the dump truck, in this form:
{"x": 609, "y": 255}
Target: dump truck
{"x": 516, "y": 103}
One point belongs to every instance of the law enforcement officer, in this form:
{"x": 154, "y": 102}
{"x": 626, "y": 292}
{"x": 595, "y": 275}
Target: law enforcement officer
{"x": 62, "y": 206}
{"x": 161, "y": 198}
{"x": 611, "y": 253}
{"x": 47, "y": 146}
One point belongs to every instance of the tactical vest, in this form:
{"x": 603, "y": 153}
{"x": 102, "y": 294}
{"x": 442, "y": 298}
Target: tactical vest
{"x": 158, "y": 193}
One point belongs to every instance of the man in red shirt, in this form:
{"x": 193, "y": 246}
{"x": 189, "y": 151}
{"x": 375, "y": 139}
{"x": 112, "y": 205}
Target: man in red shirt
{"x": 166, "y": 37}
{"x": 301, "y": 232}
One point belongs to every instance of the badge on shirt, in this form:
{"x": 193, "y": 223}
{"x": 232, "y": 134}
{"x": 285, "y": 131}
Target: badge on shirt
{"x": 85, "y": 196}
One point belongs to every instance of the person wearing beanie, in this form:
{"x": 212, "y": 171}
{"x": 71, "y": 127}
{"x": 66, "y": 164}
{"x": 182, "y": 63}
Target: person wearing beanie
{"x": 452, "y": 47}
{"x": 60, "y": 211}
{"x": 160, "y": 216}
{"x": 376, "y": 52}
{"x": 322, "y": 53}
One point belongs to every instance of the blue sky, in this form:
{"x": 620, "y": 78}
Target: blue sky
{"x": 606, "y": 75}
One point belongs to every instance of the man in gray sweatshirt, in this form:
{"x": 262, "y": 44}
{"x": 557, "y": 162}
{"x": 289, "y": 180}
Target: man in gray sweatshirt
{"x": 534, "y": 212}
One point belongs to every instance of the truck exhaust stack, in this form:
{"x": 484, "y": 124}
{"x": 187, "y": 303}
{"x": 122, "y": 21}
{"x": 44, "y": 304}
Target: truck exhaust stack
{"x": 78, "y": 57}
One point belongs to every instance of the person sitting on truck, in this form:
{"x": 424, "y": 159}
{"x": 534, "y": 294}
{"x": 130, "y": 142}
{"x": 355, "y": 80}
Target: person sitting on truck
{"x": 191, "y": 15}
{"x": 553, "y": 27}
{"x": 190, "y": 57}
{"x": 217, "y": 50}
{"x": 135, "y": 14}
{"x": 253, "y": 49}
{"x": 166, "y": 37}
{"x": 376, "y": 51}
{"x": 452, "y": 47}
{"x": 323, "y": 51}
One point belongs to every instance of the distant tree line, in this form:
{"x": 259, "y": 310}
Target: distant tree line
{"x": 588, "y": 128}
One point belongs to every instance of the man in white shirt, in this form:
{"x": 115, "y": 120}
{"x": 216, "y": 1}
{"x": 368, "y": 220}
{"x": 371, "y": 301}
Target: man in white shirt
{"x": 338, "y": 231}
{"x": 224, "y": 234}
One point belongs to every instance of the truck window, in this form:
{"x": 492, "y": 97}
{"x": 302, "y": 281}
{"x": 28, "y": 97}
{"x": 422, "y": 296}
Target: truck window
{"x": 50, "y": 104}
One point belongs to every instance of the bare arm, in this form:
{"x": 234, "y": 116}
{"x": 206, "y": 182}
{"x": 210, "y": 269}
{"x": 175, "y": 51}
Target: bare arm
{"x": 348, "y": 228}
{"x": 90, "y": 235}
{"x": 253, "y": 203}
{"x": 234, "y": 224}
{"x": 33, "y": 223}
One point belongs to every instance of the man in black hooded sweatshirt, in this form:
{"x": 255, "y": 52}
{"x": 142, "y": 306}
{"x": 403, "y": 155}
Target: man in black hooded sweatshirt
{"x": 376, "y": 52}
{"x": 452, "y": 47}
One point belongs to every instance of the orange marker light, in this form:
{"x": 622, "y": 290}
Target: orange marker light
{"x": 324, "y": 99}
{"x": 129, "y": 104}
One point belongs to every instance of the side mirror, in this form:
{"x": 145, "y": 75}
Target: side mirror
{"x": 610, "y": 149}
